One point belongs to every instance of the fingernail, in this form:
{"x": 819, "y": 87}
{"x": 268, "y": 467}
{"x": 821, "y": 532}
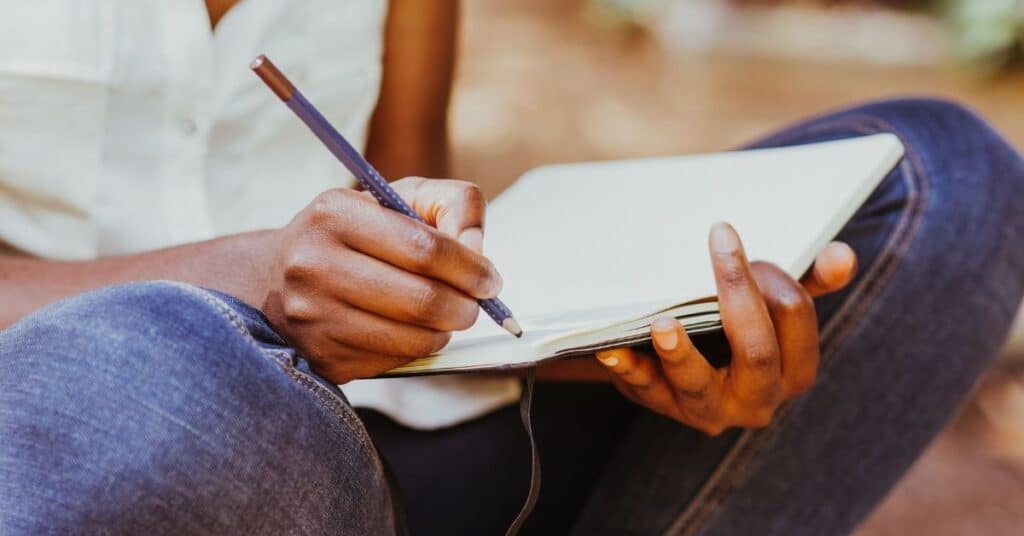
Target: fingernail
{"x": 473, "y": 238}
{"x": 608, "y": 359}
{"x": 664, "y": 332}
{"x": 723, "y": 238}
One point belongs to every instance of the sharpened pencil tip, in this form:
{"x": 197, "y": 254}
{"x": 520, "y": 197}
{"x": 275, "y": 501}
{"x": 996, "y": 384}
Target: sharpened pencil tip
{"x": 512, "y": 327}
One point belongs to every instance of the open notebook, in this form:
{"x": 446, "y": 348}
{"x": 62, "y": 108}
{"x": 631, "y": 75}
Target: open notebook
{"x": 591, "y": 253}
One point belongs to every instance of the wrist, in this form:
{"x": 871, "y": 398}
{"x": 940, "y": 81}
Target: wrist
{"x": 241, "y": 265}
{"x": 265, "y": 258}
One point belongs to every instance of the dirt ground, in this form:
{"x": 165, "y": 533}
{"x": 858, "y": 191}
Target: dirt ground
{"x": 538, "y": 84}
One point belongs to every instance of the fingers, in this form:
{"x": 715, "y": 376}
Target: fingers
{"x": 345, "y": 325}
{"x": 638, "y": 378}
{"x": 755, "y": 369}
{"x": 833, "y": 269}
{"x": 341, "y": 363}
{"x": 771, "y": 326}
{"x": 377, "y": 287}
{"x": 361, "y": 288}
{"x": 796, "y": 326}
{"x": 692, "y": 379}
{"x": 456, "y": 208}
{"x": 376, "y": 334}
{"x": 364, "y": 225}
{"x": 686, "y": 370}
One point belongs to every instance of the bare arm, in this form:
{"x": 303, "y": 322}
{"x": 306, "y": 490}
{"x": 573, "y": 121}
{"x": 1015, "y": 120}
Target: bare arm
{"x": 357, "y": 288}
{"x": 408, "y": 136}
{"x": 409, "y": 130}
{"x": 233, "y": 264}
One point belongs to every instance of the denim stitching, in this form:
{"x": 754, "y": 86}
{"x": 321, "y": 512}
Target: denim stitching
{"x": 334, "y": 405}
{"x": 729, "y": 471}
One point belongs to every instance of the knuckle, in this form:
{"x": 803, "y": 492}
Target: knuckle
{"x": 425, "y": 248}
{"x": 429, "y": 303}
{"x": 322, "y": 207}
{"x": 795, "y": 301}
{"x": 472, "y": 195}
{"x": 299, "y": 266}
{"x": 696, "y": 392}
{"x": 334, "y": 209}
{"x": 761, "y": 356}
{"x": 297, "y": 309}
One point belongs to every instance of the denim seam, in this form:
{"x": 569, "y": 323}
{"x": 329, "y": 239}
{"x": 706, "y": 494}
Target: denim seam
{"x": 730, "y": 470}
{"x": 335, "y": 406}
{"x": 327, "y": 398}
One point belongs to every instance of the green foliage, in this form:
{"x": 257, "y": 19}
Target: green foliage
{"x": 988, "y": 34}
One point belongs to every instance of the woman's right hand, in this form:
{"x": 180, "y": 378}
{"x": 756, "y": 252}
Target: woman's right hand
{"x": 359, "y": 289}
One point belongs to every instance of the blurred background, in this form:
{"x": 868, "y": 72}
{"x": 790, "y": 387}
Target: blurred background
{"x": 544, "y": 81}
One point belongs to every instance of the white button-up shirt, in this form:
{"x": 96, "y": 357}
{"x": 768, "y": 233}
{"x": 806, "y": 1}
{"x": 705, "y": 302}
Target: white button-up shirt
{"x": 128, "y": 126}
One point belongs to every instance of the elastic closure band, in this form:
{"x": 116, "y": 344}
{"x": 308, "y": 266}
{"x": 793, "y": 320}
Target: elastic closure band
{"x": 525, "y": 406}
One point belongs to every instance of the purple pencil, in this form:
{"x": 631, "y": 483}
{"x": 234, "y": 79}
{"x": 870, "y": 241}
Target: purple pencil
{"x": 363, "y": 171}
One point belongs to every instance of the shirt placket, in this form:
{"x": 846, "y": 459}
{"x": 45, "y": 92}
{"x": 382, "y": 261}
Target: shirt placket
{"x": 187, "y": 120}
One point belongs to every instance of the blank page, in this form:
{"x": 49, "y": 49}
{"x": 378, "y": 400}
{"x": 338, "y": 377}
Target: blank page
{"x": 584, "y": 246}
{"x": 609, "y": 235}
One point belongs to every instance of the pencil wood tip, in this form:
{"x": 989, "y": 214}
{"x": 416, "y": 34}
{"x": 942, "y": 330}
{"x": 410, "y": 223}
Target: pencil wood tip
{"x": 512, "y": 327}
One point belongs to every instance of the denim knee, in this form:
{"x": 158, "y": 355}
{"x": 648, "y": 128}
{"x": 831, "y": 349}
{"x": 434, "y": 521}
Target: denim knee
{"x": 963, "y": 151}
{"x": 974, "y": 205}
{"x": 149, "y": 406}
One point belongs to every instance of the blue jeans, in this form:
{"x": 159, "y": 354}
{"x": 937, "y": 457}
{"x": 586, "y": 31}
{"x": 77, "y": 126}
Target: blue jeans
{"x": 163, "y": 408}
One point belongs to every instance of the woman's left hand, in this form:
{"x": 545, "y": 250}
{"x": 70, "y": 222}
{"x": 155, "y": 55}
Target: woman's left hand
{"x": 772, "y": 329}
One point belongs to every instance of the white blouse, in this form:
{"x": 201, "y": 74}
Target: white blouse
{"x": 127, "y": 125}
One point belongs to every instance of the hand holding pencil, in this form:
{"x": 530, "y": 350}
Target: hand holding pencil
{"x": 365, "y": 173}
{"x": 368, "y": 281}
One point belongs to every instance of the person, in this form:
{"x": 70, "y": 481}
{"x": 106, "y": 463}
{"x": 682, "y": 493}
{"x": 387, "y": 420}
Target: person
{"x": 186, "y": 281}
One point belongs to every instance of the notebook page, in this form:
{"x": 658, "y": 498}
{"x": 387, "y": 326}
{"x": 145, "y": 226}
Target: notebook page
{"x": 574, "y": 247}
{"x": 596, "y": 236}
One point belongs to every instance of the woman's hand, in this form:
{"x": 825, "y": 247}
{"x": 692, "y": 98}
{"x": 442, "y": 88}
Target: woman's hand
{"x": 360, "y": 289}
{"x": 770, "y": 323}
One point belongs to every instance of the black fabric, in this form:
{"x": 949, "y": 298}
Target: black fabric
{"x": 472, "y": 478}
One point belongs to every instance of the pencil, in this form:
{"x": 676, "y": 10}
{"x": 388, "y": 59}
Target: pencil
{"x": 363, "y": 171}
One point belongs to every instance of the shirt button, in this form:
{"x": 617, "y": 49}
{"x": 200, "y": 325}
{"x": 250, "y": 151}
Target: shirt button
{"x": 187, "y": 125}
